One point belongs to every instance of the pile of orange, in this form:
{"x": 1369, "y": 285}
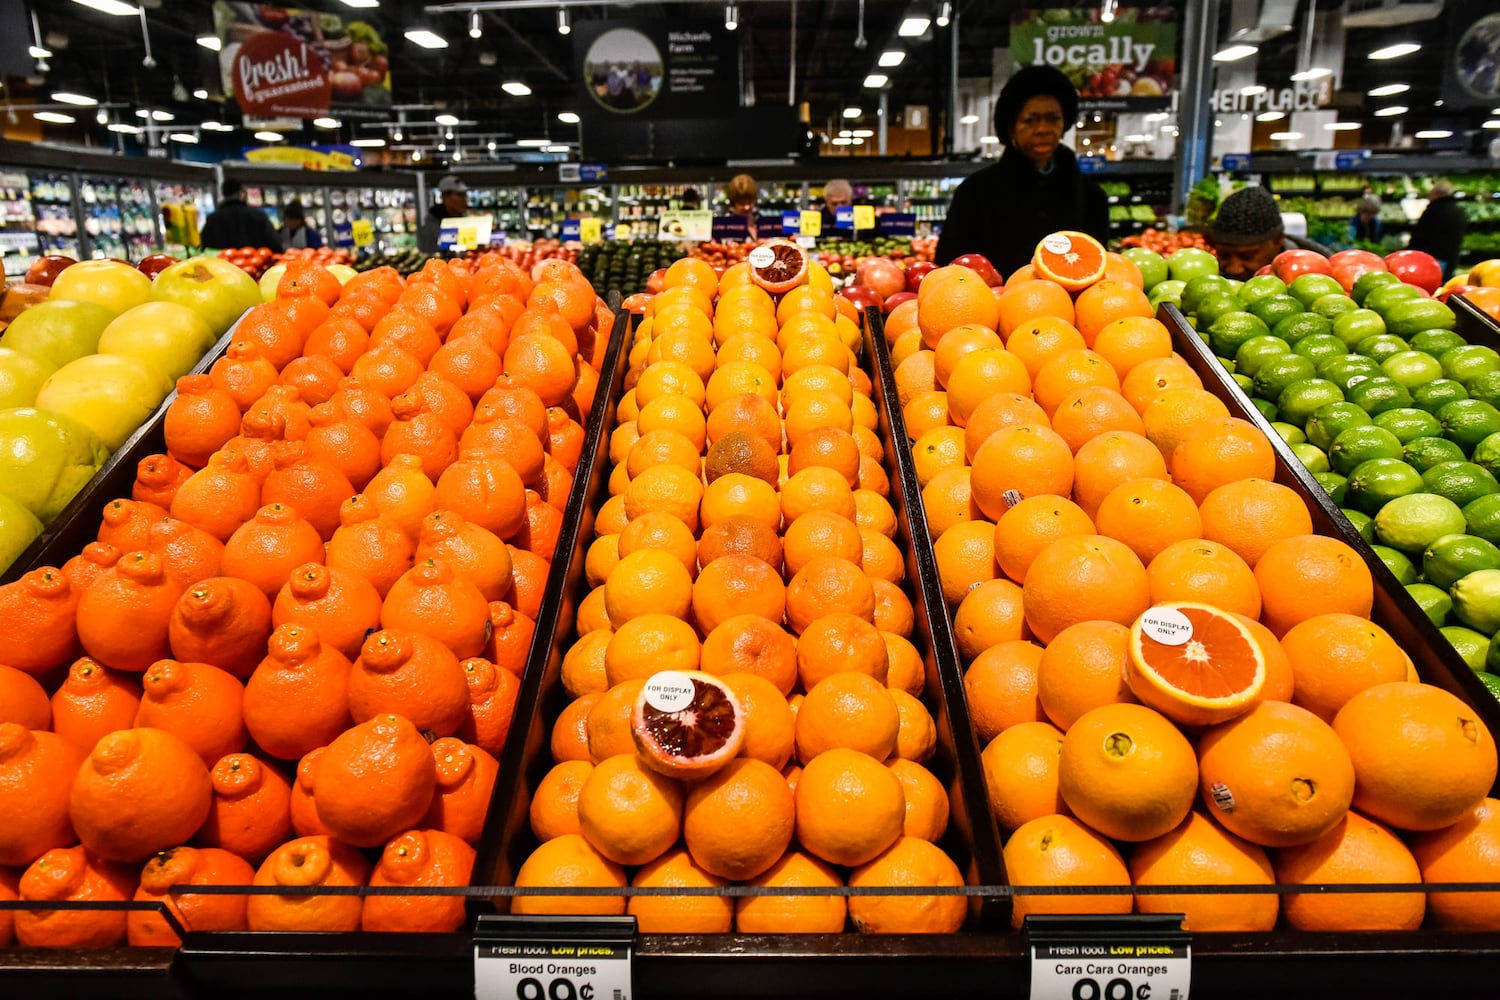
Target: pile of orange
{"x": 1091, "y": 505}
{"x": 748, "y": 541}
{"x": 292, "y": 656}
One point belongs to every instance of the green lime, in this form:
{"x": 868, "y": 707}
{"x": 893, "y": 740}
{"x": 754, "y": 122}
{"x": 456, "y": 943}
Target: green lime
{"x": 1383, "y": 299}
{"x": 1491, "y": 682}
{"x": 1487, "y": 453}
{"x": 1425, "y": 452}
{"x": 1363, "y": 523}
{"x": 1434, "y": 601}
{"x": 1485, "y": 387}
{"x": 1409, "y": 423}
{"x": 1411, "y": 368}
{"x": 1332, "y": 419}
{"x": 1377, "y": 394}
{"x": 1261, "y": 286}
{"x": 1229, "y": 330}
{"x": 1377, "y": 482}
{"x": 1368, "y": 282}
{"x": 1199, "y": 288}
{"x": 1267, "y": 410}
{"x": 1453, "y": 557}
{"x": 1401, "y": 567}
{"x": 1471, "y": 647}
{"x": 1381, "y": 346}
{"x": 1300, "y": 325}
{"x": 1461, "y": 482}
{"x": 1414, "y": 521}
{"x": 1414, "y": 314}
{"x": 1482, "y": 518}
{"x": 1278, "y": 373}
{"x": 1300, "y": 400}
{"x": 1318, "y": 346}
{"x": 1357, "y": 445}
{"x": 1312, "y": 286}
{"x": 1228, "y": 364}
{"x": 1436, "y": 394}
{"x": 1333, "y": 305}
{"x": 1241, "y": 380}
{"x": 1311, "y": 456}
{"x": 1272, "y": 309}
{"x": 1152, "y": 265}
{"x": 1345, "y": 368}
{"x": 1211, "y": 310}
{"x": 1290, "y": 433}
{"x": 1166, "y": 291}
{"x": 1361, "y": 324}
{"x": 1476, "y": 600}
{"x": 1435, "y": 342}
{"x": 1469, "y": 361}
{"x": 1335, "y": 485}
{"x": 1257, "y": 351}
{"x": 1466, "y": 422}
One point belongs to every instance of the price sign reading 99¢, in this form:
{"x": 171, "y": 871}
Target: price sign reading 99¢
{"x": 1104, "y": 958}
{"x": 553, "y": 958}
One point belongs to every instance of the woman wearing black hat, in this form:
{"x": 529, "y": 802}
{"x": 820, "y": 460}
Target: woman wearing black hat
{"x": 1004, "y": 210}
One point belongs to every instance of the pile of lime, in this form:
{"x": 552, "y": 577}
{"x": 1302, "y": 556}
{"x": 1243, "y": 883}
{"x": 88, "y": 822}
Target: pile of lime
{"x": 1394, "y": 414}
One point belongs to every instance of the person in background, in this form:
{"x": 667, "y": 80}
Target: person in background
{"x": 1366, "y": 225}
{"x": 1440, "y": 230}
{"x": 837, "y": 193}
{"x": 691, "y": 200}
{"x": 1004, "y": 210}
{"x": 744, "y": 194}
{"x": 453, "y": 203}
{"x": 1248, "y": 233}
{"x": 237, "y": 224}
{"x": 295, "y": 231}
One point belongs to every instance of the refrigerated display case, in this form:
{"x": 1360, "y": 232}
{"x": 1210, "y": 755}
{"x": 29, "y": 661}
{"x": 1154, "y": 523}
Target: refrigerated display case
{"x": 19, "y": 244}
{"x": 119, "y": 219}
{"x": 56, "y": 216}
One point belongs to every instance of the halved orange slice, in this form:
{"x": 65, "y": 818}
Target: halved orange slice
{"x": 1071, "y": 259}
{"x": 1194, "y": 663}
{"x": 687, "y": 724}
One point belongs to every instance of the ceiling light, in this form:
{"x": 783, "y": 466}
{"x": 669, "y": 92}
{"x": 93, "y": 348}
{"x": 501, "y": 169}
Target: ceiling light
{"x": 515, "y": 88}
{"x": 426, "y": 38}
{"x": 448, "y": 134}
{"x": 442, "y": 147}
{"x": 863, "y": 133}
{"x": 163, "y": 116}
{"x": 458, "y": 154}
{"x": 534, "y": 143}
{"x": 102, "y": 117}
{"x": 1389, "y": 89}
{"x": 1285, "y": 136}
{"x": 555, "y": 149}
{"x": 268, "y": 136}
{"x": 892, "y": 57}
{"x": 416, "y": 155}
{"x": 857, "y": 141}
{"x": 124, "y": 129}
{"x": 326, "y": 122}
{"x": 1252, "y": 90}
{"x": 968, "y": 120}
{"x": 186, "y": 137}
{"x": 37, "y": 52}
{"x": 1232, "y": 53}
{"x": 361, "y": 4}
{"x": 212, "y": 126}
{"x": 564, "y": 26}
{"x": 65, "y": 97}
{"x": 210, "y": 42}
{"x": 445, "y": 119}
{"x": 396, "y": 135}
{"x": 876, "y": 80}
{"x": 1311, "y": 73}
{"x": 944, "y": 14}
{"x": 846, "y": 133}
{"x": 852, "y": 112}
{"x": 1343, "y": 126}
{"x": 55, "y": 117}
{"x": 1138, "y": 137}
{"x": 1396, "y": 51}
{"x": 914, "y": 27}
{"x": 843, "y": 141}
{"x": 1435, "y": 133}
{"x": 114, "y": 7}
{"x": 567, "y": 117}
{"x": 731, "y": 16}
{"x": 1492, "y": 123}
{"x": 1270, "y": 116}
{"x": 475, "y": 29}
{"x": 201, "y": 94}
{"x": 1107, "y": 11}
{"x": 989, "y": 140}
{"x": 1391, "y": 111}
{"x": 491, "y": 146}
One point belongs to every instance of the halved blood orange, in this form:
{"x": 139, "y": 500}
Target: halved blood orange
{"x": 778, "y": 266}
{"x": 687, "y": 724}
{"x": 1071, "y": 259}
{"x": 1194, "y": 663}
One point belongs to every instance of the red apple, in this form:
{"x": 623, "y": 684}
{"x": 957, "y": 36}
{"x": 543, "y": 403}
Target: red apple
{"x": 1347, "y": 265}
{"x": 916, "y": 271}
{"x": 979, "y": 263}
{"x": 1291, "y": 263}
{"x": 862, "y": 296}
{"x": 1264, "y": 270}
{"x": 656, "y": 281}
{"x": 882, "y": 274}
{"x": 154, "y": 264}
{"x": 47, "y": 268}
{"x": 1416, "y": 268}
{"x": 892, "y": 301}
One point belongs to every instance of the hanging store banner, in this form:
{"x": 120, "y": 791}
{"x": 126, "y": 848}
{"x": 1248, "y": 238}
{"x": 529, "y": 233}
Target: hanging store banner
{"x": 1471, "y": 65}
{"x": 296, "y": 63}
{"x": 1129, "y": 64}
{"x": 306, "y": 157}
{"x": 677, "y": 68}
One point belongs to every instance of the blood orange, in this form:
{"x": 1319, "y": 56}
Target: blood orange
{"x": 778, "y": 266}
{"x": 1071, "y": 259}
{"x": 687, "y": 724}
{"x": 1195, "y": 663}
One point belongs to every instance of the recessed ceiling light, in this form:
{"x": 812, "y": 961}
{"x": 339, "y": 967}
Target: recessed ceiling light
{"x": 969, "y": 120}
{"x": 1253, "y": 89}
{"x": 914, "y": 27}
{"x": 210, "y": 42}
{"x": 1391, "y": 111}
{"x": 876, "y": 80}
{"x": 1492, "y": 123}
{"x": 37, "y": 52}
{"x": 1232, "y": 53}
{"x": 515, "y": 88}
{"x": 534, "y": 143}
{"x": 846, "y": 133}
{"x": 864, "y": 133}
{"x": 201, "y": 94}
{"x": 558, "y": 148}
{"x": 124, "y": 129}
{"x": 852, "y": 112}
{"x": 426, "y": 39}
{"x": 216, "y": 127}
{"x": 843, "y": 140}
{"x": 67, "y": 97}
{"x": 989, "y": 140}
{"x": 567, "y": 117}
{"x": 115, "y": 7}
{"x": 361, "y": 4}
{"x": 1270, "y": 116}
{"x": 892, "y": 57}
{"x": 186, "y": 137}
{"x": 55, "y": 117}
{"x": 1311, "y": 73}
{"x": 447, "y": 120}
{"x": 326, "y": 122}
{"x": 857, "y": 141}
{"x": 1396, "y": 51}
{"x": 1389, "y": 89}
{"x": 1285, "y": 136}
{"x": 163, "y": 116}
{"x": 268, "y": 136}
{"x": 1435, "y": 133}
{"x": 1343, "y": 126}
{"x": 367, "y": 143}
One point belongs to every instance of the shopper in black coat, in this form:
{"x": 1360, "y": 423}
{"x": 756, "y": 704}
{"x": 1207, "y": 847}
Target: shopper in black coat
{"x": 236, "y": 224}
{"x": 1004, "y": 210}
{"x": 1440, "y": 230}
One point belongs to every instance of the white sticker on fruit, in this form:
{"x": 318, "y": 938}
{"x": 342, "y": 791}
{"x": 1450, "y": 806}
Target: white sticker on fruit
{"x": 762, "y": 257}
{"x": 1167, "y": 626}
{"x": 670, "y": 691}
{"x": 1057, "y": 243}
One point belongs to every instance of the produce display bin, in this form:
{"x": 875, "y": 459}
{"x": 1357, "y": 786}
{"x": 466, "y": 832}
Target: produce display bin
{"x": 1474, "y": 325}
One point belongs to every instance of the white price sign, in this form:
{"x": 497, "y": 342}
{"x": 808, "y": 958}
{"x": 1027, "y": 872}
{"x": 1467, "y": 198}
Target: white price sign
{"x": 553, "y": 958}
{"x": 1137, "y": 958}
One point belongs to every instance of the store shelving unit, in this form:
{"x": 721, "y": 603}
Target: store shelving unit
{"x": 19, "y": 244}
{"x": 56, "y": 214}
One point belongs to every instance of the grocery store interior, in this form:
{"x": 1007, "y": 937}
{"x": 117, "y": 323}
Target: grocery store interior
{"x": 571, "y": 500}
